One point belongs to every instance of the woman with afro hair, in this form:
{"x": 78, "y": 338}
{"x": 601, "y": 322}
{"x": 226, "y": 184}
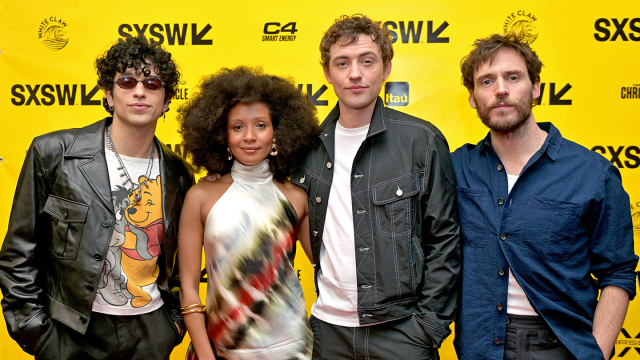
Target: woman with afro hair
{"x": 254, "y": 129}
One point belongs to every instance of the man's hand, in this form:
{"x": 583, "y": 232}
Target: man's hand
{"x": 210, "y": 177}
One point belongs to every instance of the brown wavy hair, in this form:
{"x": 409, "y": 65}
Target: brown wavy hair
{"x": 203, "y": 119}
{"x": 133, "y": 52}
{"x": 487, "y": 48}
{"x": 347, "y": 29}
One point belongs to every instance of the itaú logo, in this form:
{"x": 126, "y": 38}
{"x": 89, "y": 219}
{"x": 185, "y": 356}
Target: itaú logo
{"x": 396, "y": 93}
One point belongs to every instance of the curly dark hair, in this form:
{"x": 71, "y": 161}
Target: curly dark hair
{"x": 203, "y": 119}
{"x": 134, "y": 53}
{"x": 487, "y": 48}
{"x": 347, "y": 29}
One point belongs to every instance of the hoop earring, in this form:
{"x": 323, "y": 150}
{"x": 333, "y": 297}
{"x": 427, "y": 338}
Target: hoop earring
{"x": 274, "y": 151}
{"x": 110, "y": 108}
{"x": 229, "y": 154}
{"x": 164, "y": 116}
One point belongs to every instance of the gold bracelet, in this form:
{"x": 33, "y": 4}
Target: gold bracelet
{"x": 187, "y": 312}
{"x": 192, "y": 306}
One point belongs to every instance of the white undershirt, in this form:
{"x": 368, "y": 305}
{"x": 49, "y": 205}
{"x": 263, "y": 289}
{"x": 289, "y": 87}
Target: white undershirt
{"x": 517, "y": 301}
{"x": 337, "y": 301}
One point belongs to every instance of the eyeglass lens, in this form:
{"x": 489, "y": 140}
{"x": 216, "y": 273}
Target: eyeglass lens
{"x": 129, "y": 83}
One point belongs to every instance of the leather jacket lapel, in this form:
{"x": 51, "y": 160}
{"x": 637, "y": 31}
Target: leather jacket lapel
{"x": 89, "y": 144}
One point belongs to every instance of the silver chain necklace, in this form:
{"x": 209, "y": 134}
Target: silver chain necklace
{"x": 137, "y": 197}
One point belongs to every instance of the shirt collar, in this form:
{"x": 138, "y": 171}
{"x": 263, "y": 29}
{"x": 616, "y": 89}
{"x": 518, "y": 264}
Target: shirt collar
{"x": 378, "y": 122}
{"x": 551, "y": 145}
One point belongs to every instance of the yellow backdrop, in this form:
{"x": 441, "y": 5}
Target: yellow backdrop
{"x": 591, "y": 76}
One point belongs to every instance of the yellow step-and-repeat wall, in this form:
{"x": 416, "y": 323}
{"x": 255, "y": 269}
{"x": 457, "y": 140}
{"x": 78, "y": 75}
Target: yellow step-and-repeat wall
{"x": 590, "y": 82}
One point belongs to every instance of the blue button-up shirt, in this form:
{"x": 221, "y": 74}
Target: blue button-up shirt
{"x": 565, "y": 230}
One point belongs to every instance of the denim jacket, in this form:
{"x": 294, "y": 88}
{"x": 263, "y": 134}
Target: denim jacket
{"x": 407, "y": 240}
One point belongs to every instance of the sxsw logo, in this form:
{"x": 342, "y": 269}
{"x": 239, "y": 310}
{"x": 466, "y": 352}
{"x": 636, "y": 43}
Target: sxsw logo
{"x": 49, "y": 94}
{"x": 629, "y": 343}
{"x": 173, "y": 33}
{"x": 411, "y": 31}
{"x": 621, "y": 156}
{"x": 604, "y": 28}
{"x": 555, "y": 96}
{"x": 315, "y": 96}
{"x": 396, "y": 93}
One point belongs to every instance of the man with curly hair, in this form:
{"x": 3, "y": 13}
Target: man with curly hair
{"x": 382, "y": 212}
{"x": 87, "y": 268}
{"x": 546, "y": 225}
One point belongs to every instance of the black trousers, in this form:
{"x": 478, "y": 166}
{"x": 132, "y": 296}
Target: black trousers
{"x": 399, "y": 339}
{"x": 149, "y": 336}
{"x": 530, "y": 338}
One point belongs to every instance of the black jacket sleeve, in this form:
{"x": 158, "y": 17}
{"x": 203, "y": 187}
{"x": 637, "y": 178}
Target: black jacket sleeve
{"x": 23, "y": 310}
{"x": 440, "y": 242}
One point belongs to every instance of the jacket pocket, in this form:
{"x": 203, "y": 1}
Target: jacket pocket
{"x": 395, "y": 204}
{"x": 67, "y": 221}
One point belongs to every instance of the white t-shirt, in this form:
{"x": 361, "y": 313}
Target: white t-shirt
{"x": 128, "y": 280}
{"x": 337, "y": 301}
{"x": 517, "y": 301}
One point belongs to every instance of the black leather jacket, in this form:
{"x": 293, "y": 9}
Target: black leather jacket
{"x": 59, "y": 230}
{"x": 405, "y": 217}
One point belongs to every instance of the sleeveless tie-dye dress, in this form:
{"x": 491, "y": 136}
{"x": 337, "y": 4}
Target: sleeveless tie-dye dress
{"x": 254, "y": 307}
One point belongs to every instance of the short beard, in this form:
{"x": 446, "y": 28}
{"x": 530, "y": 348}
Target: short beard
{"x": 523, "y": 112}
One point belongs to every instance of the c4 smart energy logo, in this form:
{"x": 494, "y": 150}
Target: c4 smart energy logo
{"x": 396, "y": 93}
{"x": 630, "y": 92}
{"x": 52, "y": 34}
{"x": 275, "y": 31}
{"x": 521, "y": 22}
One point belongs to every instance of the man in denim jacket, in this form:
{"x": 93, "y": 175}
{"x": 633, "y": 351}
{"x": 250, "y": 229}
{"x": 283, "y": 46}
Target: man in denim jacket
{"x": 382, "y": 212}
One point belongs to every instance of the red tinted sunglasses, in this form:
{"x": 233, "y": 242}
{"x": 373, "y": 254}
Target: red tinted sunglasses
{"x": 129, "y": 83}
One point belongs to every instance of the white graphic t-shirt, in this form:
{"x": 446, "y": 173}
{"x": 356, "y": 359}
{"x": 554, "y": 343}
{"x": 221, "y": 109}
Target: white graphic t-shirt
{"x": 128, "y": 280}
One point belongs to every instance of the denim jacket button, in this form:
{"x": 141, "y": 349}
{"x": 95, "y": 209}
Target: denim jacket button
{"x": 302, "y": 180}
{"x": 329, "y": 165}
{"x": 500, "y": 167}
{"x": 399, "y": 191}
{"x": 318, "y": 200}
